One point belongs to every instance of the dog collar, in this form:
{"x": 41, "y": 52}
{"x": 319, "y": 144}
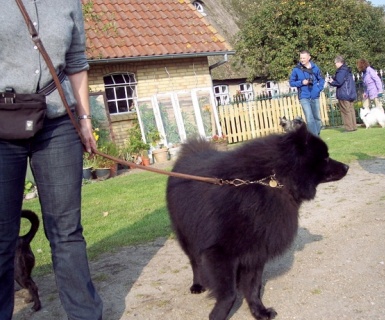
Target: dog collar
{"x": 269, "y": 181}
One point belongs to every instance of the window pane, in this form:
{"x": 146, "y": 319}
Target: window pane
{"x": 131, "y": 105}
{"x": 120, "y": 93}
{"x": 112, "y": 107}
{"x": 129, "y": 78}
{"x": 130, "y": 92}
{"x": 108, "y": 80}
{"x": 122, "y": 106}
{"x": 118, "y": 78}
{"x": 168, "y": 119}
{"x": 110, "y": 93}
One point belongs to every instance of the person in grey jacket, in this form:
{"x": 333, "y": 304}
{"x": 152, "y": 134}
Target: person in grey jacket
{"x": 346, "y": 93}
{"x": 55, "y": 153}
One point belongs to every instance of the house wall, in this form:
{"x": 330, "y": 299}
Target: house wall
{"x": 259, "y": 86}
{"x": 153, "y": 77}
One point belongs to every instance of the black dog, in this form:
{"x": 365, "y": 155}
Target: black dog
{"x": 229, "y": 232}
{"x": 25, "y": 260}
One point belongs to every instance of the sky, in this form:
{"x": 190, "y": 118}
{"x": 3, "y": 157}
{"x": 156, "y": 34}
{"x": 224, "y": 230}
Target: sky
{"x": 378, "y": 2}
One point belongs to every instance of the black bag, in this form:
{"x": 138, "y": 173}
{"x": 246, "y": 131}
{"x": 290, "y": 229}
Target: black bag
{"x": 21, "y": 115}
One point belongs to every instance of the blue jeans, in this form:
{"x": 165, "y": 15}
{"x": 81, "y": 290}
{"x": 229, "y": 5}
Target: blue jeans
{"x": 311, "y": 109}
{"x": 55, "y": 155}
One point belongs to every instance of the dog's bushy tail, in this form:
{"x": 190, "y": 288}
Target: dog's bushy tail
{"x": 34, "y": 220}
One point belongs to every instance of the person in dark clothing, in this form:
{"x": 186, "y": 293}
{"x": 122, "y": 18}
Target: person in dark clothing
{"x": 346, "y": 93}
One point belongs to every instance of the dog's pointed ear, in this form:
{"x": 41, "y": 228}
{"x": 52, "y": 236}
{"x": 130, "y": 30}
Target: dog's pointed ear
{"x": 300, "y": 136}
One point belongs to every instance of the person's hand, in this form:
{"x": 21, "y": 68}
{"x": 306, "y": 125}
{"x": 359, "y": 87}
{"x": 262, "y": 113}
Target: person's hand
{"x": 379, "y": 95}
{"x": 88, "y": 138}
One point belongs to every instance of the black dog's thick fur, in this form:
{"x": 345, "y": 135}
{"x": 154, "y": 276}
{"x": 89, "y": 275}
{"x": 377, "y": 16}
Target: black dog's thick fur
{"x": 25, "y": 260}
{"x": 229, "y": 232}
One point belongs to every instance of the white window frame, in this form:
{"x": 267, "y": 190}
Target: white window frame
{"x": 133, "y": 88}
{"x": 246, "y": 89}
{"x": 272, "y": 88}
{"x": 199, "y": 7}
{"x": 221, "y": 94}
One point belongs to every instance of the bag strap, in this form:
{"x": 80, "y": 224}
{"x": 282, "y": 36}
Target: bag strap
{"x": 39, "y": 44}
{"x": 304, "y": 69}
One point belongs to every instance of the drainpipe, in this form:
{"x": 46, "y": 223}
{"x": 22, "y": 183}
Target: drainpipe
{"x": 219, "y": 63}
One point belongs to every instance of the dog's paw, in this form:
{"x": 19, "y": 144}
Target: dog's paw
{"x": 265, "y": 314}
{"x": 197, "y": 288}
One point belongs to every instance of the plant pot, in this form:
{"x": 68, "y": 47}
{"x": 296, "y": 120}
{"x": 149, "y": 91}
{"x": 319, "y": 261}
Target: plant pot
{"x": 222, "y": 146}
{"x": 173, "y": 153}
{"x": 145, "y": 161}
{"x": 160, "y": 155}
{"x": 87, "y": 173}
{"x": 122, "y": 168}
{"x": 114, "y": 170}
{"x": 102, "y": 173}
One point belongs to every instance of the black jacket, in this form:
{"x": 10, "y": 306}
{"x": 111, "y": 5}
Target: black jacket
{"x": 346, "y": 87}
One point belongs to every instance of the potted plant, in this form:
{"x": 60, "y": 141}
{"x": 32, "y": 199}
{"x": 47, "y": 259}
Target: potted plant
{"x": 153, "y": 137}
{"x": 105, "y": 168}
{"x": 220, "y": 142}
{"x": 135, "y": 148}
{"x": 88, "y": 165}
{"x": 145, "y": 158}
{"x": 159, "y": 151}
{"x": 173, "y": 151}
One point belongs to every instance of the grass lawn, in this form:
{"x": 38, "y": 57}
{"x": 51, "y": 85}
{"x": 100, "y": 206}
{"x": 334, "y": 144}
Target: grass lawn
{"x": 122, "y": 211}
{"x": 362, "y": 144}
{"x": 131, "y": 209}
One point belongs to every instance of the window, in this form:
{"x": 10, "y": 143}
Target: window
{"x": 246, "y": 89}
{"x": 120, "y": 92}
{"x": 221, "y": 94}
{"x": 199, "y": 6}
{"x": 272, "y": 89}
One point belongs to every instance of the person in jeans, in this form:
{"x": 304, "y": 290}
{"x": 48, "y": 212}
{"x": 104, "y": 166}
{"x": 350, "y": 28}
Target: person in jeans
{"x": 54, "y": 153}
{"x": 346, "y": 93}
{"x": 306, "y": 76}
{"x": 372, "y": 84}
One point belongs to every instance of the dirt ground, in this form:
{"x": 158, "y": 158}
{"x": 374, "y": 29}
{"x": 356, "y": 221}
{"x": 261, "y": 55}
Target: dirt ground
{"x": 334, "y": 270}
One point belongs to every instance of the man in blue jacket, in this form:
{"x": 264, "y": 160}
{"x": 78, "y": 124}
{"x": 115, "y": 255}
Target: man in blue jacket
{"x": 346, "y": 93}
{"x": 308, "y": 79}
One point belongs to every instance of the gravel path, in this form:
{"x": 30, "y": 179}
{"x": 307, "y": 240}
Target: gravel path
{"x": 334, "y": 270}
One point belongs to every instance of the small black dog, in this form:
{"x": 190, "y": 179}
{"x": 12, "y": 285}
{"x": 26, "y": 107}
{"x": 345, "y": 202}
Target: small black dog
{"x": 25, "y": 260}
{"x": 290, "y": 125}
{"x": 230, "y": 231}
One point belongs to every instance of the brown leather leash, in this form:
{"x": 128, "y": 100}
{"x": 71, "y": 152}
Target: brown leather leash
{"x": 273, "y": 183}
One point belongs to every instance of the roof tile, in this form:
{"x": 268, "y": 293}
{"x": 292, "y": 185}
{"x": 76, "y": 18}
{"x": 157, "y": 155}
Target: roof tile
{"x": 145, "y": 28}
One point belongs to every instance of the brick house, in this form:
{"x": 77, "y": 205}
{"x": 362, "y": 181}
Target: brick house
{"x": 149, "y": 62}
